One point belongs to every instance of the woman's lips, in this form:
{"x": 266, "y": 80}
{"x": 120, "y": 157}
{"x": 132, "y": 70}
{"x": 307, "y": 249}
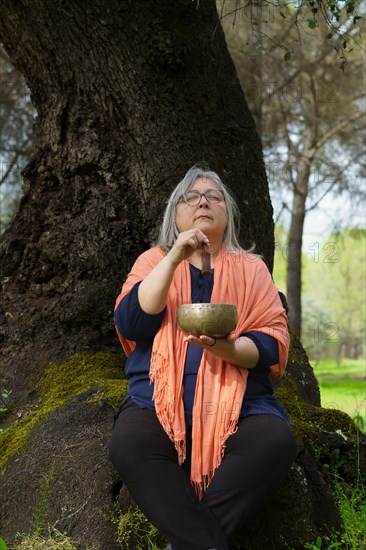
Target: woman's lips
{"x": 203, "y": 216}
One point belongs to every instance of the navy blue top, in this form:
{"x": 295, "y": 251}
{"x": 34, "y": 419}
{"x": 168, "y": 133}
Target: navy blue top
{"x": 136, "y": 325}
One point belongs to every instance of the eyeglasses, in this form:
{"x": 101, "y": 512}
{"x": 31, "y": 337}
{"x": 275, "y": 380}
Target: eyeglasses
{"x": 193, "y": 198}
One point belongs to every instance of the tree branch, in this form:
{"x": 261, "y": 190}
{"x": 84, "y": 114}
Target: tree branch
{"x": 336, "y": 180}
{"x": 332, "y": 132}
{"x": 10, "y": 166}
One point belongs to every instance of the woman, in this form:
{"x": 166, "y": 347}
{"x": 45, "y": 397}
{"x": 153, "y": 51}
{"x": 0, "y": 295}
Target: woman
{"x": 201, "y": 442}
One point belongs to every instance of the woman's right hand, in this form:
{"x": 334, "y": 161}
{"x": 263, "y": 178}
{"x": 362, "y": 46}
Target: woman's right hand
{"x": 186, "y": 244}
{"x": 153, "y": 290}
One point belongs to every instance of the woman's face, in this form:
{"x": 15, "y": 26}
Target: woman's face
{"x": 210, "y": 218}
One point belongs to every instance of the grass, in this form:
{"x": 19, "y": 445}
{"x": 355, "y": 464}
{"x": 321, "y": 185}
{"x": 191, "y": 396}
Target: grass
{"x": 136, "y": 531}
{"x": 353, "y": 511}
{"x": 53, "y": 541}
{"x": 343, "y": 386}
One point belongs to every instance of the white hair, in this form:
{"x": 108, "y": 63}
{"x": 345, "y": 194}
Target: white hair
{"x": 169, "y": 231}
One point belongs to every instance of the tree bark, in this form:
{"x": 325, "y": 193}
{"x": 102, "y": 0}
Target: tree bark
{"x": 129, "y": 95}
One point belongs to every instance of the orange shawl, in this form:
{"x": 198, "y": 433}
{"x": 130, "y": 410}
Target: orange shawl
{"x": 241, "y": 279}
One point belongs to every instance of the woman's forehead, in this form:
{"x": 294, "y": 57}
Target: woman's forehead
{"x": 203, "y": 181}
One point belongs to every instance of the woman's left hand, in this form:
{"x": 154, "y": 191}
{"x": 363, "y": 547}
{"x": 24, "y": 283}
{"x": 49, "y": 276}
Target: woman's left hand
{"x": 209, "y": 342}
{"x": 239, "y": 351}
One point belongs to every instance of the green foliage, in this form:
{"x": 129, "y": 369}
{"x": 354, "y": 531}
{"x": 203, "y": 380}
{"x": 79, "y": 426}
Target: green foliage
{"x": 40, "y": 512}
{"x": 135, "y": 531}
{"x": 101, "y": 372}
{"x": 333, "y": 290}
{"x": 3, "y": 395}
{"x": 352, "y": 505}
{"x": 333, "y": 276}
{"x": 318, "y": 544}
{"x": 54, "y": 541}
{"x": 342, "y": 386}
{"x": 332, "y": 14}
{"x": 3, "y": 408}
{"x": 353, "y": 511}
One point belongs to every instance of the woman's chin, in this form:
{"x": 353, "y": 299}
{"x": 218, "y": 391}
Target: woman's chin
{"x": 204, "y": 224}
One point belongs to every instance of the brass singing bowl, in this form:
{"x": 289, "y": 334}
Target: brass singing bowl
{"x": 216, "y": 320}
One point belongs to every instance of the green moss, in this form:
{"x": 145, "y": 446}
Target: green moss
{"x": 102, "y": 372}
{"x": 81, "y": 372}
{"x": 312, "y": 424}
{"x": 308, "y": 421}
{"x": 332, "y": 420}
{"x": 297, "y": 353}
{"x": 298, "y": 411}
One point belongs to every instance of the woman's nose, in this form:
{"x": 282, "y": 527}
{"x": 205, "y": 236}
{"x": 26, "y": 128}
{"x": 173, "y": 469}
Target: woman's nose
{"x": 203, "y": 201}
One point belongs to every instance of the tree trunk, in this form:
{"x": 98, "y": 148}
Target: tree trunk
{"x": 129, "y": 95}
{"x": 295, "y": 244}
{"x": 127, "y": 100}
{"x": 294, "y": 263}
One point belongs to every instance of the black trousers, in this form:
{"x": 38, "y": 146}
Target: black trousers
{"x": 256, "y": 461}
